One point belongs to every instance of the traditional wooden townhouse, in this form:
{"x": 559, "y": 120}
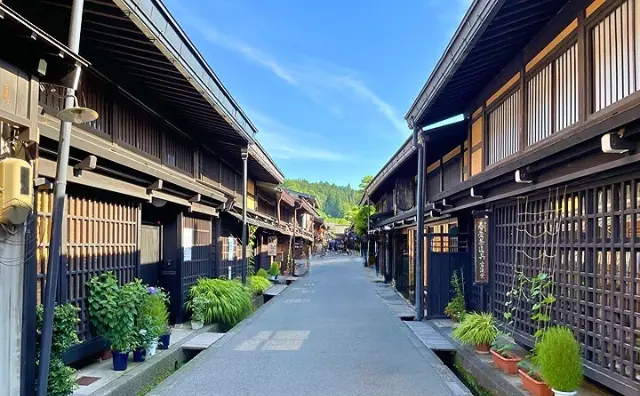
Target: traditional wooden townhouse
{"x": 305, "y": 215}
{"x": 30, "y": 56}
{"x": 541, "y": 175}
{"x": 155, "y": 184}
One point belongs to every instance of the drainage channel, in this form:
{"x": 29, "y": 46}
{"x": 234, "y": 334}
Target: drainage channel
{"x": 449, "y": 359}
{"x": 183, "y": 358}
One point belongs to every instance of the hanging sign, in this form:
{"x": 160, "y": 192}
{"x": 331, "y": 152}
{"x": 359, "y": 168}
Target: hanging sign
{"x": 481, "y": 249}
{"x": 272, "y": 249}
{"x": 187, "y": 243}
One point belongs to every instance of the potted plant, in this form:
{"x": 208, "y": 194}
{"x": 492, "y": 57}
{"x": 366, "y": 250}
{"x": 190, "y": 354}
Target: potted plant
{"x": 531, "y": 380}
{"x": 124, "y": 334}
{"x": 198, "y": 308}
{"x": 165, "y": 339}
{"x": 274, "y": 270}
{"x": 152, "y": 319}
{"x": 477, "y": 329}
{"x": 503, "y": 357}
{"x": 559, "y": 360}
{"x": 456, "y": 308}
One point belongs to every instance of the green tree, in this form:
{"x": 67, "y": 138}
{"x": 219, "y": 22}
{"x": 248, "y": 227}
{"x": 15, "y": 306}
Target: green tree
{"x": 334, "y": 201}
{"x": 360, "y": 218}
{"x": 364, "y": 183}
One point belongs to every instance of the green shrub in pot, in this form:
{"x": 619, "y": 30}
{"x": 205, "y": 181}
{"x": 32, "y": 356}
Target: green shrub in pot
{"x": 559, "y": 360}
{"x": 263, "y": 273}
{"x": 274, "y": 270}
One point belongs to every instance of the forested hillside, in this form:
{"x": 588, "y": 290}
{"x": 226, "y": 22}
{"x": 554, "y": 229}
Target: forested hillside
{"x": 335, "y": 201}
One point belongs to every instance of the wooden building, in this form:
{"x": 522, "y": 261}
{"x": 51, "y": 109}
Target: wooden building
{"x": 541, "y": 175}
{"x": 164, "y": 201}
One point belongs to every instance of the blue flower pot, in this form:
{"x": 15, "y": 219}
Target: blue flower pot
{"x": 164, "y": 341}
{"x": 120, "y": 360}
{"x": 139, "y": 355}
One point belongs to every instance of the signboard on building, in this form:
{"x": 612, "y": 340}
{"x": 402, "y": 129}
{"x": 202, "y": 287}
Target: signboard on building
{"x": 481, "y": 260}
{"x": 232, "y": 248}
{"x": 187, "y": 243}
{"x": 272, "y": 248}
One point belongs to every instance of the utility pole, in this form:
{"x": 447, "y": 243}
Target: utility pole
{"x": 419, "y": 141}
{"x": 245, "y": 156}
{"x": 57, "y": 216}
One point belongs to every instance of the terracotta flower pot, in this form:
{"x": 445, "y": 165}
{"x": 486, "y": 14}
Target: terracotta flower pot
{"x": 535, "y": 388}
{"x": 483, "y": 348}
{"x": 508, "y": 365}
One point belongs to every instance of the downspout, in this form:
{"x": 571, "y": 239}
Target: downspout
{"x": 419, "y": 294}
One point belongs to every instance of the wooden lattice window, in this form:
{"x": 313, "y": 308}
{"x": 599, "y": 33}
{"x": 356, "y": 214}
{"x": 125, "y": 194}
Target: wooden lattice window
{"x": 594, "y": 259}
{"x": 504, "y": 124}
{"x": 614, "y": 51}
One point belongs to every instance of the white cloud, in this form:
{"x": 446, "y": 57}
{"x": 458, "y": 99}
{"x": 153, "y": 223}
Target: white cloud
{"x": 284, "y": 142}
{"x": 324, "y": 82}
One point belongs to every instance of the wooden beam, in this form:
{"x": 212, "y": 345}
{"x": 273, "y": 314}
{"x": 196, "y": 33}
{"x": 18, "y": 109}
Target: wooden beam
{"x": 103, "y": 149}
{"x": 615, "y": 116}
{"x": 584, "y": 83}
{"x": 568, "y": 178}
{"x": 47, "y": 168}
{"x": 156, "y": 185}
{"x": 203, "y": 209}
{"x": 522, "y": 131}
{"x": 170, "y": 198}
{"x": 88, "y": 163}
{"x": 196, "y": 198}
{"x": 42, "y": 184}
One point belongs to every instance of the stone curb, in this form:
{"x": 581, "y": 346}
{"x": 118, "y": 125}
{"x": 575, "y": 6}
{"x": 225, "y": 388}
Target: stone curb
{"x": 136, "y": 379}
{"x": 224, "y": 339}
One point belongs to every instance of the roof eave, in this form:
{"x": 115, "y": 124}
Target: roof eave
{"x": 475, "y": 21}
{"x": 225, "y": 105}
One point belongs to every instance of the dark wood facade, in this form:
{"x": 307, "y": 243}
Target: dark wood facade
{"x": 166, "y": 193}
{"x": 531, "y": 160}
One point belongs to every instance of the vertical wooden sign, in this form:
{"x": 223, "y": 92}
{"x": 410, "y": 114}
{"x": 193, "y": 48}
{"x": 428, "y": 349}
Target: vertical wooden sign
{"x": 481, "y": 259}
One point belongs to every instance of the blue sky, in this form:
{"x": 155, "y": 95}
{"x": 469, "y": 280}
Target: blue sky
{"x": 327, "y": 83}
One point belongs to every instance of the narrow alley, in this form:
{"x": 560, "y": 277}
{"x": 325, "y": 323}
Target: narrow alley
{"x": 329, "y": 333}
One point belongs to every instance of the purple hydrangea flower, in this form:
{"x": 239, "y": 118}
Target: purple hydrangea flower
{"x": 152, "y": 290}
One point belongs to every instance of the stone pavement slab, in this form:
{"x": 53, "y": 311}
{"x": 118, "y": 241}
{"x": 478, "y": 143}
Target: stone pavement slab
{"x": 202, "y": 341}
{"x": 430, "y": 336}
{"x": 327, "y": 335}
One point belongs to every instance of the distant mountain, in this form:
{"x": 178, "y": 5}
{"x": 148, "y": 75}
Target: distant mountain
{"x": 335, "y": 201}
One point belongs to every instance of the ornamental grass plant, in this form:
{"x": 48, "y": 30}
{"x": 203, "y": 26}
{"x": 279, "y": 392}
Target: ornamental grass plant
{"x": 224, "y": 301}
{"x": 257, "y": 284}
{"x": 476, "y": 329}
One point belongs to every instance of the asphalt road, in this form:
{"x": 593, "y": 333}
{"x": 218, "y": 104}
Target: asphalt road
{"x": 327, "y": 334}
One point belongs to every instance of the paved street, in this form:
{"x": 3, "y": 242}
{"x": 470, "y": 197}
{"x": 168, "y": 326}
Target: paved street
{"x": 327, "y": 334}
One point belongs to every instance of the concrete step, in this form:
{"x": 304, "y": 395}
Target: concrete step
{"x": 202, "y": 341}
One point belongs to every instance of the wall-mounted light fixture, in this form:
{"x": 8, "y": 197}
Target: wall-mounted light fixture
{"x": 615, "y": 143}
